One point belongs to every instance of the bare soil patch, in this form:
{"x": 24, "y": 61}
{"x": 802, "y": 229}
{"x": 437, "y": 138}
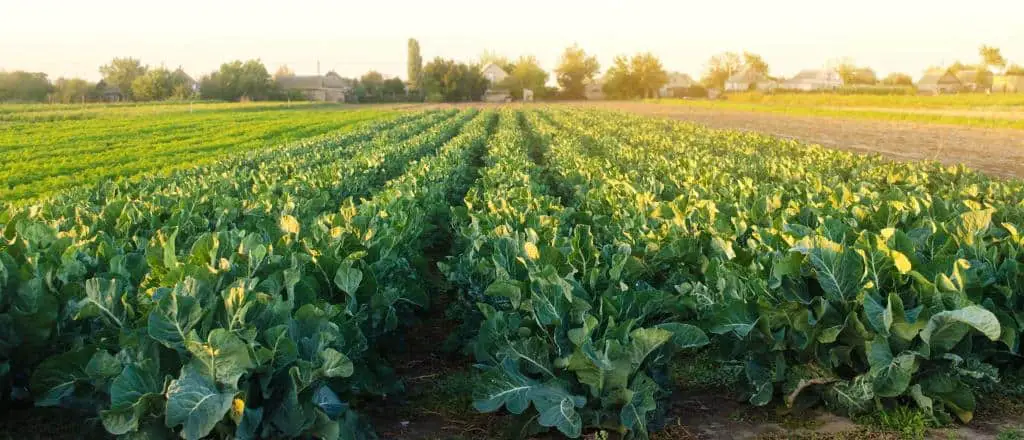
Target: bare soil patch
{"x": 998, "y": 152}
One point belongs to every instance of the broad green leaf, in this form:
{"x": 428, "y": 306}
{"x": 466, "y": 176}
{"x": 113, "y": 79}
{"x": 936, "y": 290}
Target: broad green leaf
{"x": 685, "y": 336}
{"x": 336, "y": 364}
{"x": 55, "y": 379}
{"x": 223, "y": 357}
{"x": 195, "y": 403}
{"x": 176, "y": 314}
{"x": 945, "y": 329}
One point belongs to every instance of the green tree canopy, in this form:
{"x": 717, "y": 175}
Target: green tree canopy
{"x": 719, "y": 68}
{"x": 638, "y": 77}
{"x": 755, "y": 63}
{"x": 898, "y": 79}
{"x": 122, "y": 72}
{"x": 414, "y": 67}
{"x": 237, "y": 80}
{"x": 69, "y": 90}
{"x": 526, "y": 73}
{"x": 24, "y": 86}
{"x": 574, "y": 69}
{"x": 991, "y": 57}
{"x": 450, "y": 81}
{"x": 154, "y": 85}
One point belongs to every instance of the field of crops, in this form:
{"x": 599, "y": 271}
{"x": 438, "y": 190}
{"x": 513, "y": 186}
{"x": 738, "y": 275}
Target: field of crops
{"x": 262, "y": 295}
{"x": 45, "y": 149}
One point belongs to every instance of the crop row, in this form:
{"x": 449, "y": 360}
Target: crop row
{"x": 829, "y": 276}
{"x": 253, "y": 318}
{"x": 40, "y": 159}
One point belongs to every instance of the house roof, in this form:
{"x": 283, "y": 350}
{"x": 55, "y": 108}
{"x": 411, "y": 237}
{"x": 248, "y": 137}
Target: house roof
{"x": 488, "y": 66}
{"x": 307, "y": 82}
{"x": 747, "y": 77}
{"x": 938, "y": 77}
{"x": 814, "y": 75}
{"x": 677, "y": 79}
{"x": 971, "y": 76}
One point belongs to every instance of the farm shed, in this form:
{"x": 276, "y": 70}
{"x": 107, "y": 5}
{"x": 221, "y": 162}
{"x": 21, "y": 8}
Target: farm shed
{"x": 812, "y": 80}
{"x": 746, "y": 80}
{"x": 1008, "y": 84}
{"x": 108, "y": 92}
{"x": 593, "y": 89}
{"x": 937, "y": 82}
{"x": 330, "y": 87}
{"x": 676, "y": 82}
{"x": 975, "y": 80}
{"x": 495, "y": 92}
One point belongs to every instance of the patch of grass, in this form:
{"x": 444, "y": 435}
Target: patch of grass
{"x": 700, "y": 371}
{"x": 908, "y": 423}
{"x": 1011, "y": 434}
{"x": 448, "y": 394}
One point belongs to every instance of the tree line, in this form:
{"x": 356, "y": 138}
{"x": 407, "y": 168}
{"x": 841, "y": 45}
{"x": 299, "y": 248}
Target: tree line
{"x": 439, "y": 80}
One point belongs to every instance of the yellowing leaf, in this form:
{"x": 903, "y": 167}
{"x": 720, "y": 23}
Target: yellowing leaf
{"x": 289, "y": 224}
{"x": 901, "y": 261}
{"x": 531, "y": 251}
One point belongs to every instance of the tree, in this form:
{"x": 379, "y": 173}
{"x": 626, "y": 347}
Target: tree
{"x": 649, "y": 74}
{"x": 526, "y": 73}
{"x": 237, "y": 80}
{"x": 574, "y": 69}
{"x": 449, "y": 81}
{"x": 122, "y": 72}
{"x": 638, "y": 77}
{"x": 372, "y": 82}
{"x": 392, "y": 87}
{"x": 155, "y": 85}
{"x": 283, "y": 72}
{"x": 719, "y": 68}
{"x": 181, "y": 85}
{"x": 898, "y": 79}
{"x": 70, "y": 90}
{"x": 991, "y": 57}
{"x": 957, "y": 67}
{"x": 754, "y": 63}
{"x": 414, "y": 66}
{"x": 618, "y": 80}
{"x": 24, "y": 86}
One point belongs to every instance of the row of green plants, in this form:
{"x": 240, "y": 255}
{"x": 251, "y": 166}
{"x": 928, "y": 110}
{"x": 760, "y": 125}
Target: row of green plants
{"x": 43, "y": 158}
{"x": 262, "y": 313}
{"x": 833, "y": 277}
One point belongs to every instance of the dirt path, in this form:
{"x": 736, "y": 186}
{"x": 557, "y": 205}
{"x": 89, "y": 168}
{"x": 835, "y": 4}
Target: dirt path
{"x": 998, "y": 152}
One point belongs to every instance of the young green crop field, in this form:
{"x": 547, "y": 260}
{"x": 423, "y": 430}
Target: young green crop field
{"x": 45, "y": 148}
{"x": 581, "y": 258}
{"x": 969, "y": 110}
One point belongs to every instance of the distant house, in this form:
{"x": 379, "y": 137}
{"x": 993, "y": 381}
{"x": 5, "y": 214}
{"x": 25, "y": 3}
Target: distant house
{"x": 1008, "y": 84}
{"x": 593, "y": 89}
{"x": 677, "y": 84}
{"x": 814, "y": 80}
{"x": 109, "y": 92}
{"x": 749, "y": 80}
{"x": 975, "y": 80}
{"x": 495, "y": 92}
{"x": 938, "y": 82}
{"x": 328, "y": 88}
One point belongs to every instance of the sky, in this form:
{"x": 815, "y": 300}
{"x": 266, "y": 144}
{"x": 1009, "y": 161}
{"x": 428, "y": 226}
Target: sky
{"x": 73, "y": 38}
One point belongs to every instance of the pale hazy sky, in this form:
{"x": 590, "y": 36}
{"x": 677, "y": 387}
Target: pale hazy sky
{"x": 72, "y": 38}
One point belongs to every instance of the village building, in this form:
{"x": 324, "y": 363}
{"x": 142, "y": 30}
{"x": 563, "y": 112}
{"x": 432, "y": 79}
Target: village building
{"x": 814, "y": 80}
{"x": 327, "y": 88}
{"x": 938, "y": 82}
{"x": 749, "y": 80}
{"x": 676, "y": 86}
{"x": 1008, "y": 84}
{"x": 593, "y": 89}
{"x": 496, "y": 92}
{"x": 975, "y": 80}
